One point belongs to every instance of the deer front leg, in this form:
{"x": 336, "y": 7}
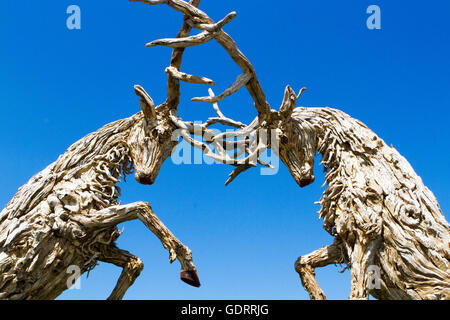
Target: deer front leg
{"x": 177, "y": 249}
{"x": 305, "y": 266}
{"x": 142, "y": 210}
{"x": 132, "y": 267}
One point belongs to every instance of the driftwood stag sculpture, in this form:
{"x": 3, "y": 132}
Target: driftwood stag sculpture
{"x": 387, "y": 225}
{"x": 67, "y": 214}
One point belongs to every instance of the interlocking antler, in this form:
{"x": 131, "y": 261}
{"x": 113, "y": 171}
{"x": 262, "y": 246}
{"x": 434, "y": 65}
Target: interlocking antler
{"x": 195, "y": 18}
{"x": 251, "y": 143}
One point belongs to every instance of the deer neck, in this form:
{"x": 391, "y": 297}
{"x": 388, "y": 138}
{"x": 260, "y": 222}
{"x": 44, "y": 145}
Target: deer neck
{"x": 339, "y": 138}
{"x": 95, "y": 164}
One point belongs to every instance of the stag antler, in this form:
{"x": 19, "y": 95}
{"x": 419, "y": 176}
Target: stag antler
{"x": 195, "y": 18}
{"x": 221, "y": 145}
{"x": 252, "y": 144}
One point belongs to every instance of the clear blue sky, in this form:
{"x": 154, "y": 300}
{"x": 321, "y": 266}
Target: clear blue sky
{"x": 57, "y": 85}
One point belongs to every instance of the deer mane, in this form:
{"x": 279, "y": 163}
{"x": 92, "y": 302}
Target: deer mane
{"x": 83, "y": 153}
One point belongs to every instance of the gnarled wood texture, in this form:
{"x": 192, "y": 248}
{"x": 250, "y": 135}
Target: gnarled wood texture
{"x": 388, "y": 226}
{"x": 382, "y": 216}
{"x": 376, "y": 206}
{"x": 66, "y": 215}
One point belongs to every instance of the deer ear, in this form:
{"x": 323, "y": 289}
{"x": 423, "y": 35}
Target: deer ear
{"x": 146, "y": 103}
{"x": 289, "y": 102}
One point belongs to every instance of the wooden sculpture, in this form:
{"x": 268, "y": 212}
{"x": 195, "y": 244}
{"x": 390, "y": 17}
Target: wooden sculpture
{"x": 388, "y": 227}
{"x": 387, "y": 224}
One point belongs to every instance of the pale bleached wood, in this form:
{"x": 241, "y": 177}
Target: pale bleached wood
{"x": 241, "y": 81}
{"x": 188, "y": 77}
{"x": 131, "y": 268}
{"x": 322, "y": 257}
{"x": 191, "y": 41}
{"x": 215, "y": 26}
{"x": 173, "y": 84}
{"x": 198, "y": 17}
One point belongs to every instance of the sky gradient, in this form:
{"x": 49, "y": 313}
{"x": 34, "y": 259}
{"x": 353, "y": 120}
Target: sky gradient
{"x": 57, "y": 85}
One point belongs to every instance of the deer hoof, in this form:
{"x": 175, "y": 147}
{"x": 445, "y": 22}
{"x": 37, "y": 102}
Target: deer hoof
{"x": 190, "y": 277}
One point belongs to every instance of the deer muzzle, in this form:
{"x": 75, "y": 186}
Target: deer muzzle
{"x": 303, "y": 182}
{"x": 143, "y": 178}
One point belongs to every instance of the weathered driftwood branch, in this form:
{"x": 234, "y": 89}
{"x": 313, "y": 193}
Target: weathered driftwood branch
{"x": 241, "y": 81}
{"x": 203, "y": 37}
{"x": 187, "y": 77}
{"x": 183, "y": 42}
{"x": 332, "y": 254}
{"x": 173, "y": 84}
{"x": 215, "y": 26}
{"x": 200, "y": 18}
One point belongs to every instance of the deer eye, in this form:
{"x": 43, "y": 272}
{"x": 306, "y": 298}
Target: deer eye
{"x": 284, "y": 139}
{"x": 155, "y": 133}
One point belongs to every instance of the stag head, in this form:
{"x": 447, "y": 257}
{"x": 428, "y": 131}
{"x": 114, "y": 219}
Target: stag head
{"x": 154, "y": 137}
{"x": 150, "y": 140}
{"x": 294, "y": 141}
